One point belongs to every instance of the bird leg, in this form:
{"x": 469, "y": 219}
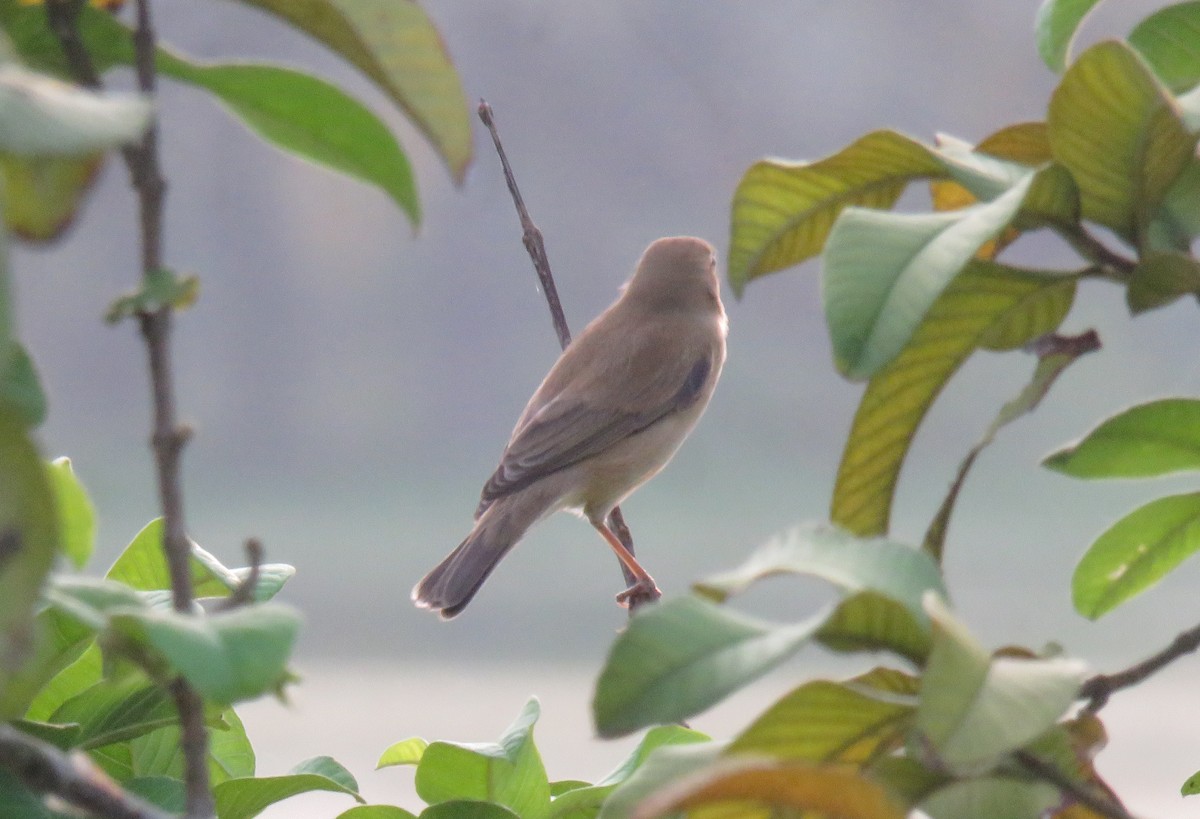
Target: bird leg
{"x": 643, "y": 589}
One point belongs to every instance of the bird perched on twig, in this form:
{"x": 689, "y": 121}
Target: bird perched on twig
{"x": 609, "y": 415}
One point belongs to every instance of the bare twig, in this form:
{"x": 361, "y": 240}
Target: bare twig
{"x": 1097, "y": 690}
{"x": 244, "y": 593}
{"x": 536, "y": 247}
{"x": 74, "y": 778}
{"x": 1080, "y": 792}
{"x": 169, "y": 436}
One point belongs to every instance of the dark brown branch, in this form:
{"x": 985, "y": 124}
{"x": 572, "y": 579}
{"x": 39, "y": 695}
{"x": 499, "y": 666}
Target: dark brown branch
{"x": 531, "y": 236}
{"x": 169, "y": 436}
{"x": 62, "y": 16}
{"x": 536, "y": 247}
{"x": 1097, "y": 690}
{"x": 244, "y": 593}
{"x": 1080, "y": 792}
{"x": 74, "y": 778}
{"x": 1108, "y": 264}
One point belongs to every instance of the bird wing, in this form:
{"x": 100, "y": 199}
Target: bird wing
{"x": 589, "y": 415}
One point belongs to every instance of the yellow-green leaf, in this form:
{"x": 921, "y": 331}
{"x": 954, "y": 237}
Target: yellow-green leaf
{"x": 763, "y": 788}
{"x": 782, "y": 211}
{"x": 1056, "y": 23}
{"x": 824, "y": 721}
{"x": 43, "y": 194}
{"x": 28, "y": 542}
{"x": 395, "y": 44}
{"x": 1117, "y": 130}
{"x": 988, "y": 304}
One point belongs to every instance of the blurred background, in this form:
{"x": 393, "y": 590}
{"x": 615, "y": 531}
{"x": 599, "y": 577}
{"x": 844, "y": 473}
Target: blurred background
{"x": 352, "y": 383}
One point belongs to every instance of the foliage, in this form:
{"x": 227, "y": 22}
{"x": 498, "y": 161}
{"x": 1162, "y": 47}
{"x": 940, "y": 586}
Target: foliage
{"x": 941, "y": 725}
{"x": 955, "y": 730}
{"x": 92, "y": 665}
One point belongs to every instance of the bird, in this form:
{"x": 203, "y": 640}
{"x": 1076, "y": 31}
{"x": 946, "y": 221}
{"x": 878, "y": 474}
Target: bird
{"x": 608, "y": 416}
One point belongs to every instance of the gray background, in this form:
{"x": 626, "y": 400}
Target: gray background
{"x": 352, "y": 384}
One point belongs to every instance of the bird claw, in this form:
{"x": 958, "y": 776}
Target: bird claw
{"x": 640, "y": 593}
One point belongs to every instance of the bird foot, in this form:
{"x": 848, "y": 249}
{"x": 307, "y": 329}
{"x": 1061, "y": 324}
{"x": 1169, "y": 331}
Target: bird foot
{"x": 640, "y": 593}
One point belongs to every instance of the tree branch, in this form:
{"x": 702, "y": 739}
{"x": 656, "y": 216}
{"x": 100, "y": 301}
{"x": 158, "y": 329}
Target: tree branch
{"x": 244, "y": 593}
{"x": 1080, "y": 792}
{"x": 1107, "y": 264}
{"x": 1099, "y": 688}
{"x": 536, "y": 247}
{"x": 168, "y": 436}
{"x": 74, "y": 778}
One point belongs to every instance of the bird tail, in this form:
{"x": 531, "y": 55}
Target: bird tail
{"x": 452, "y": 583}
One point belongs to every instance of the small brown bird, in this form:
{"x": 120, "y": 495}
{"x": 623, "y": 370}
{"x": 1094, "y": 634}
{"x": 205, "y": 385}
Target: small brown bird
{"x": 608, "y": 416}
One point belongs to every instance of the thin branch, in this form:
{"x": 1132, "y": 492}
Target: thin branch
{"x": 531, "y": 236}
{"x": 63, "y": 17}
{"x": 1099, "y": 688}
{"x": 169, "y": 436}
{"x": 536, "y": 247}
{"x": 74, "y": 778}
{"x": 1080, "y": 792}
{"x": 244, "y": 594}
{"x": 1107, "y": 263}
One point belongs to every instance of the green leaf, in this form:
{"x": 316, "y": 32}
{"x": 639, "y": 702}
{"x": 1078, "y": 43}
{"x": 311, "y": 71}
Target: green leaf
{"x": 1147, "y": 440}
{"x": 1169, "y": 39}
{"x": 44, "y": 117}
{"x": 468, "y": 809}
{"x": 585, "y": 801}
{"x": 1161, "y": 278}
{"x": 974, "y": 710}
{"x": 1177, "y": 222}
{"x": 759, "y": 787}
{"x": 376, "y": 812}
{"x": 783, "y": 211}
{"x": 869, "y": 621}
{"x": 1192, "y": 786}
{"x": 853, "y": 722}
{"x": 993, "y": 797}
{"x": 165, "y": 792}
{"x": 28, "y": 543}
{"x": 43, "y": 193}
{"x": 664, "y": 766}
{"x": 1117, "y": 130}
{"x": 81, "y": 671}
{"x": 58, "y": 643}
{"x": 1056, "y": 23}
{"x": 397, "y": 46}
{"x": 678, "y": 657}
{"x": 230, "y": 755}
{"x": 1055, "y": 354}
{"x": 892, "y": 569}
{"x": 989, "y": 305}
{"x": 116, "y": 711}
{"x": 76, "y": 515}
{"x": 405, "y": 752}
{"x": 508, "y": 772}
{"x": 143, "y": 566}
{"x": 311, "y": 118}
{"x": 231, "y": 656}
{"x": 1136, "y": 552}
{"x": 20, "y": 388}
{"x": 245, "y": 797}
{"x": 160, "y": 288}
{"x": 884, "y": 271}
{"x": 299, "y": 113}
